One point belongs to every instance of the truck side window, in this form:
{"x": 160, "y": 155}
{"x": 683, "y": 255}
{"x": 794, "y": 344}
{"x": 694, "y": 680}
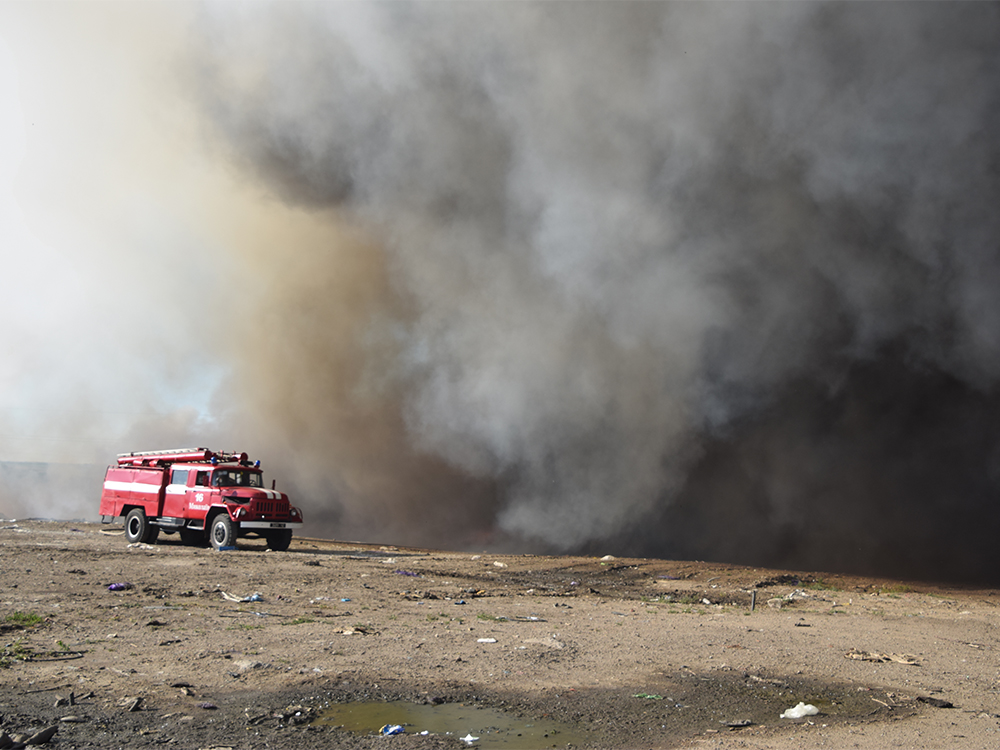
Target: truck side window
{"x": 179, "y": 476}
{"x": 202, "y": 479}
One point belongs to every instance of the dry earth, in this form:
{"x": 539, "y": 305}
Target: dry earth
{"x": 628, "y": 653}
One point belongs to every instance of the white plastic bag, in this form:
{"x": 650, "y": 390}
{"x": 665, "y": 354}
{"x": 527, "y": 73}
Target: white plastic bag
{"x": 803, "y": 709}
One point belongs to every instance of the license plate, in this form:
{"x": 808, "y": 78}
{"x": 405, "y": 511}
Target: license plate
{"x": 277, "y": 525}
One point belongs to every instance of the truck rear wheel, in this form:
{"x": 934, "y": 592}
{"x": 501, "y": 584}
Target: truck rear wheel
{"x": 279, "y": 540}
{"x": 137, "y": 528}
{"x": 223, "y": 533}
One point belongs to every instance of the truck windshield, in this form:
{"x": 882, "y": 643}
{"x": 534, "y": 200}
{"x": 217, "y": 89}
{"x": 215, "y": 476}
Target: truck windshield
{"x": 237, "y": 478}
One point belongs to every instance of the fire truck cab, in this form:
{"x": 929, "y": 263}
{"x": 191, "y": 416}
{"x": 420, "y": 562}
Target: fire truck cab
{"x": 204, "y": 495}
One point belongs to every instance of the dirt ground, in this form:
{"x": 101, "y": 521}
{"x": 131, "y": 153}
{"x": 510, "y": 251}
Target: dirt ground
{"x": 625, "y": 653}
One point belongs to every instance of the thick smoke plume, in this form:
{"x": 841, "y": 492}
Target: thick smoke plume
{"x": 673, "y": 279}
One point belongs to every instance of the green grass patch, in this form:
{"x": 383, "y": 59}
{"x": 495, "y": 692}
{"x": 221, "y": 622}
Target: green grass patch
{"x": 23, "y": 619}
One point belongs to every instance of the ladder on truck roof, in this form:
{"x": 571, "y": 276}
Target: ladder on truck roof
{"x": 180, "y": 455}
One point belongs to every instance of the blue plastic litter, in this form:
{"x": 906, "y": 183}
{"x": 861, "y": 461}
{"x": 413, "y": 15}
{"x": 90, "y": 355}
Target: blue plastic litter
{"x": 227, "y": 549}
{"x": 390, "y": 729}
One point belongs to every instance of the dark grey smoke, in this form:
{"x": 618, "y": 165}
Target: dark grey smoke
{"x": 672, "y": 279}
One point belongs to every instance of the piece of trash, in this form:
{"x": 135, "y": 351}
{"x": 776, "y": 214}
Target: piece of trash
{"x": 936, "y": 702}
{"x": 486, "y": 640}
{"x": 797, "y": 712}
{"x": 498, "y": 564}
{"x": 648, "y": 696}
{"x": 119, "y": 586}
{"x": 606, "y": 558}
{"x": 255, "y": 597}
{"x": 878, "y": 656}
{"x": 737, "y": 724}
{"x": 207, "y": 706}
{"x": 406, "y": 573}
{"x": 390, "y": 729}
{"x": 230, "y": 548}
{"x": 468, "y": 739}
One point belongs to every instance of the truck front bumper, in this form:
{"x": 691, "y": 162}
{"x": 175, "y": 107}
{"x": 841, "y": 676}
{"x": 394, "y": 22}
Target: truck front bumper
{"x": 270, "y": 525}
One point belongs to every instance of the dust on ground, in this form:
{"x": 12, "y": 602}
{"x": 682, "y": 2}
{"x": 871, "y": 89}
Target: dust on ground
{"x": 626, "y": 653}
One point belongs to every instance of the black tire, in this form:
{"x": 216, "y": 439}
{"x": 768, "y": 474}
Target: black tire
{"x": 193, "y": 537}
{"x": 223, "y": 532}
{"x": 137, "y": 528}
{"x": 279, "y": 540}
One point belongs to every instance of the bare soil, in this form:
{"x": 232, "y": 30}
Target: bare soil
{"x": 630, "y": 653}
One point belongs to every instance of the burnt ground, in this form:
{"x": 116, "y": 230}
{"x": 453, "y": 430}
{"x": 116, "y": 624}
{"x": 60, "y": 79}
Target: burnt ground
{"x": 626, "y": 653}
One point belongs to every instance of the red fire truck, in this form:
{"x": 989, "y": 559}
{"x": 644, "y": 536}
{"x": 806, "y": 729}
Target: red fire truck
{"x": 201, "y": 494}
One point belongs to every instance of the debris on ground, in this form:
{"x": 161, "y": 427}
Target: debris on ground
{"x": 799, "y": 711}
{"x": 878, "y": 656}
{"x": 119, "y": 586}
{"x": 255, "y": 597}
{"x": 391, "y": 729}
{"x": 936, "y": 702}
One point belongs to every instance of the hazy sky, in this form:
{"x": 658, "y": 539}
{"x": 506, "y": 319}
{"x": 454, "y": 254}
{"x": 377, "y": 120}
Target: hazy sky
{"x": 121, "y": 232}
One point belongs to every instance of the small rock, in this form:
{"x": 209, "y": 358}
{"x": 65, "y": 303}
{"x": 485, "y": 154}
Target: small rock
{"x": 73, "y": 719}
{"x": 40, "y": 738}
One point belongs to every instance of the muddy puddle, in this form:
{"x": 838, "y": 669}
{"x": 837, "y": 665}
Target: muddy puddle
{"x": 489, "y": 727}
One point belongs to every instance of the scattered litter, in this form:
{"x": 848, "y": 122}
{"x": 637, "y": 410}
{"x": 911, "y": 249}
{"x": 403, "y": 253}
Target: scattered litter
{"x": 468, "y": 739}
{"x": 486, "y": 640}
{"x": 609, "y": 557}
{"x": 878, "y": 656}
{"x": 139, "y": 545}
{"x": 406, "y": 573}
{"x": 255, "y": 597}
{"x": 345, "y": 599}
{"x": 207, "y": 706}
{"x": 648, "y": 696}
{"x": 799, "y": 711}
{"x": 119, "y": 586}
{"x": 498, "y": 564}
{"x": 737, "y": 724}
{"x": 230, "y": 548}
{"x": 390, "y": 729}
{"x": 73, "y": 719}
{"x": 476, "y": 557}
{"x": 936, "y": 702}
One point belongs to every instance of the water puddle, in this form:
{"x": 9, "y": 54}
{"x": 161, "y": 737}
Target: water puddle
{"x": 494, "y": 729}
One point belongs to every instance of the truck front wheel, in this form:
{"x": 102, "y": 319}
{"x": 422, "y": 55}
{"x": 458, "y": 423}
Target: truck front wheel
{"x": 279, "y": 540}
{"x": 223, "y": 534}
{"x": 137, "y": 528}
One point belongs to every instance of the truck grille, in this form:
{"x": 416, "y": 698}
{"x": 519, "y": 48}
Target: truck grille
{"x": 271, "y": 508}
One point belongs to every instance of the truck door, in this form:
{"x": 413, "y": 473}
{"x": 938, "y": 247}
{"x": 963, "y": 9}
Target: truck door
{"x": 200, "y": 496}
{"x": 175, "y": 500}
